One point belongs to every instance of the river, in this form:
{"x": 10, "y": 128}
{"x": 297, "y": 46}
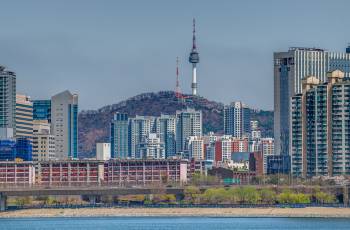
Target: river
{"x": 174, "y": 223}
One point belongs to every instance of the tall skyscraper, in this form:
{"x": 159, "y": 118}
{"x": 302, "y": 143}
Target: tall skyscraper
{"x": 24, "y": 117}
{"x": 140, "y": 128}
{"x": 42, "y": 110}
{"x": 64, "y": 113}
{"x": 237, "y": 120}
{"x": 289, "y": 69}
{"x": 120, "y": 136}
{"x": 166, "y": 129}
{"x": 188, "y": 123}
{"x": 320, "y": 127}
{"x": 7, "y": 103}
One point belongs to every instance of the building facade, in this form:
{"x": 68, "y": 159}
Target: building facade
{"x": 195, "y": 148}
{"x": 237, "y": 120}
{"x": 42, "y": 110}
{"x": 17, "y": 173}
{"x": 140, "y": 128}
{"x": 289, "y": 69}
{"x": 64, "y": 113}
{"x": 7, "y": 103}
{"x": 188, "y": 123}
{"x": 152, "y": 147}
{"x": 103, "y": 151}
{"x": 267, "y": 149}
{"x": 24, "y": 117}
{"x": 166, "y": 129}
{"x": 43, "y": 141}
{"x": 7, "y": 150}
{"x": 320, "y": 122}
{"x": 120, "y": 142}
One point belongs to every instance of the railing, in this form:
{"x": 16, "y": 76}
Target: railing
{"x": 125, "y": 205}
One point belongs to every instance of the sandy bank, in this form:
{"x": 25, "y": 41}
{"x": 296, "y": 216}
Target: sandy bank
{"x": 212, "y": 212}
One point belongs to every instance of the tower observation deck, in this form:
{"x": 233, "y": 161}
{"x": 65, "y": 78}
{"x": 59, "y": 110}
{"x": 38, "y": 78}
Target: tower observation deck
{"x": 194, "y": 59}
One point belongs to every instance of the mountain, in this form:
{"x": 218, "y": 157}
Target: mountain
{"x": 94, "y": 124}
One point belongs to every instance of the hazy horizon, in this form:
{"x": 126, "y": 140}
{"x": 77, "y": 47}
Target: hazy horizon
{"x": 108, "y": 51}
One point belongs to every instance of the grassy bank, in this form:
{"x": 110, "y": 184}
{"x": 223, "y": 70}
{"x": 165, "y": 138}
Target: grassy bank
{"x": 182, "y": 212}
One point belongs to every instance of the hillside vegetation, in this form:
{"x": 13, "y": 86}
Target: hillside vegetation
{"x": 94, "y": 124}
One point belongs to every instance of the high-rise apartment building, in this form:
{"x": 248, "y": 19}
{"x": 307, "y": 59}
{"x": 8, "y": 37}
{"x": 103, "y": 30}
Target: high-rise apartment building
{"x": 237, "y": 120}
{"x": 267, "y": 149}
{"x": 166, "y": 129}
{"x": 24, "y": 117}
{"x": 320, "y": 127}
{"x": 64, "y": 120}
{"x": 195, "y": 148}
{"x": 255, "y": 130}
{"x": 140, "y": 128}
{"x": 7, "y": 103}
{"x": 152, "y": 148}
{"x": 43, "y": 141}
{"x": 223, "y": 148}
{"x": 289, "y": 69}
{"x": 188, "y": 123}
{"x": 120, "y": 142}
{"x": 42, "y": 110}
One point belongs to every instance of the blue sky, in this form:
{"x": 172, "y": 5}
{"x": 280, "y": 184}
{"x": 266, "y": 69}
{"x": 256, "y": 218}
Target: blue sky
{"x": 107, "y": 51}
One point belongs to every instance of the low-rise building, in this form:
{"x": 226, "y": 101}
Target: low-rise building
{"x": 17, "y": 173}
{"x": 103, "y": 151}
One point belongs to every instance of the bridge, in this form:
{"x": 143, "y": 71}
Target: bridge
{"x": 93, "y": 193}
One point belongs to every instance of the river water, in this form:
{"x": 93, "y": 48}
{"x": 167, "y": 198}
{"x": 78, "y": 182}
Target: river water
{"x": 174, "y": 223}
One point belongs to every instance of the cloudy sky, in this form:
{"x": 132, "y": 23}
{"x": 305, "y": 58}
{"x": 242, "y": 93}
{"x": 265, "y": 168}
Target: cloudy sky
{"x": 107, "y": 51}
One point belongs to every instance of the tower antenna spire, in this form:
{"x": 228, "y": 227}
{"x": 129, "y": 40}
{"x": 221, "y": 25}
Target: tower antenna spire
{"x": 194, "y": 35}
{"x": 177, "y": 89}
{"x": 194, "y": 59}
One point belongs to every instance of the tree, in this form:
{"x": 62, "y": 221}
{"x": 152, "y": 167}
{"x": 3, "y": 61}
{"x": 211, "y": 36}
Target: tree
{"x": 216, "y": 195}
{"x": 21, "y": 201}
{"x": 244, "y": 195}
{"x": 288, "y": 197}
{"x": 50, "y": 200}
{"x": 324, "y": 198}
{"x": 268, "y": 196}
{"x": 192, "y": 193}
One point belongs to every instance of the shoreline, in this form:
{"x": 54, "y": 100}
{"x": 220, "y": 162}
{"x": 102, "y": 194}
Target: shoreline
{"x": 308, "y": 212}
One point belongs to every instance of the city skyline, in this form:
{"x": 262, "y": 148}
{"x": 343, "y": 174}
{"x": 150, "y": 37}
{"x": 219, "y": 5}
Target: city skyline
{"x": 98, "y": 47}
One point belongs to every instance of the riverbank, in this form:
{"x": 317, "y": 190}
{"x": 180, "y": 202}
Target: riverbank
{"x": 178, "y": 212}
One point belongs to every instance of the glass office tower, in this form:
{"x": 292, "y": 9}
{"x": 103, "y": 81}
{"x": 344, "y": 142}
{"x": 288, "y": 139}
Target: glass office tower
{"x": 42, "y": 110}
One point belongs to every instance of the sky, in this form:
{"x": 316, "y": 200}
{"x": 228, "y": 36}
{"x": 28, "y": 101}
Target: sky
{"x": 107, "y": 51}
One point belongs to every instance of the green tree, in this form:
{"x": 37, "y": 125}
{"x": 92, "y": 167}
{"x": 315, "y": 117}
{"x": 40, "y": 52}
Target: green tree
{"x": 288, "y": 197}
{"x": 246, "y": 195}
{"x": 22, "y": 201}
{"x": 324, "y": 198}
{"x": 192, "y": 194}
{"x": 50, "y": 200}
{"x": 268, "y": 196}
{"x": 216, "y": 195}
